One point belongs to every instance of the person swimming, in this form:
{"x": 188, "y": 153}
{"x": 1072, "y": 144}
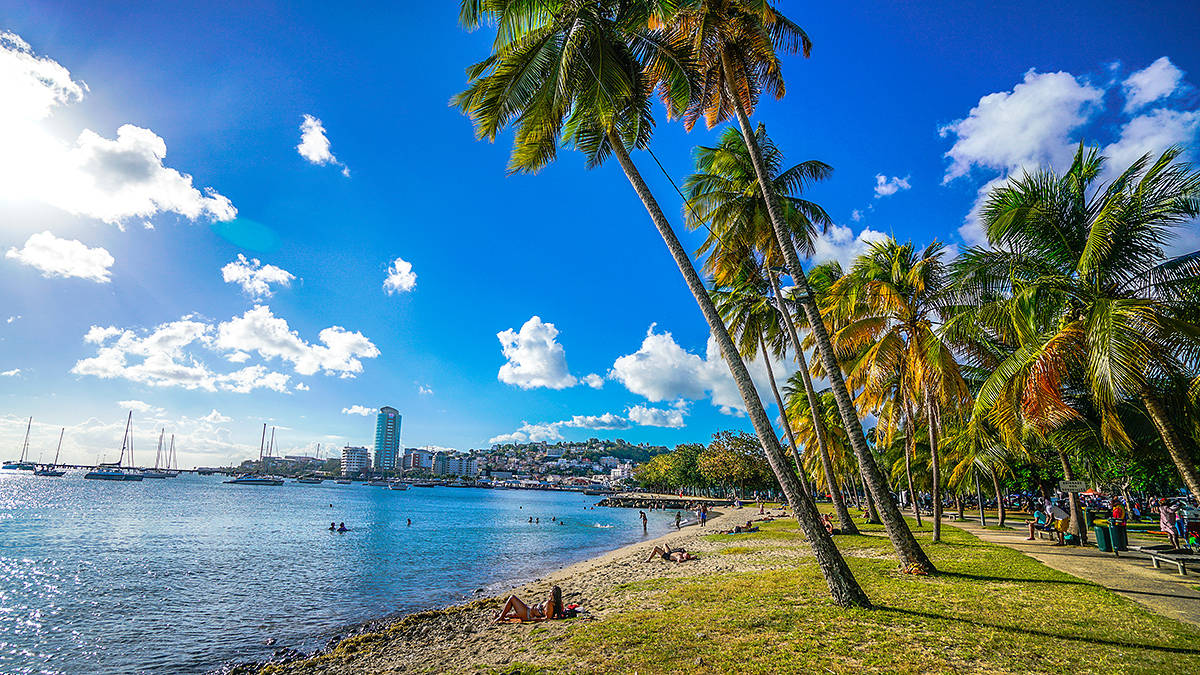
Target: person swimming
{"x": 342, "y": 527}
{"x": 332, "y": 527}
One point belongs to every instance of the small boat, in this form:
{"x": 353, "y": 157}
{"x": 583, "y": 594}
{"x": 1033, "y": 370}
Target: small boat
{"x": 342, "y": 481}
{"x": 53, "y": 471}
{"x": 424, "y": 484}
{"x": 310, "y": 480}
{"x": 254, "y": 478}
{"x": 397, "y": 485}
{"x": 114, "y": 470}
{"x": 377, "y": 483}
{"x": 22, "y": 464}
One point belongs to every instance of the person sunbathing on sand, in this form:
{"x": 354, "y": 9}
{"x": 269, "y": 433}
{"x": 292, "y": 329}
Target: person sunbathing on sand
{"x": 514, "y": 608}
{"x": 669, "y": 554}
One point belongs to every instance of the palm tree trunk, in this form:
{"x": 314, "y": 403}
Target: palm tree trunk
{"x": 1078, "y": 527}
{"x": 999, "y": 494}
{"x": 787, "y": 427}
{"x": 935, "y": 468}
{"x": 909, "y": 552}
{"x": 872, "y": 511}
{"x": 979, "y": 498}
{"x": 910, "y": 450}
{"x": 1183, "y": 463}
{"x": 843, "y": 587}
{"x": 845, "y": 524}
{"x": 958, "y": 503}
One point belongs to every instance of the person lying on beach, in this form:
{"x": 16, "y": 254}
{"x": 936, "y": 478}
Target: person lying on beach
{"x": 669, "y": 554}
{"x": 516, "y": 610}
{"x": 741, "y": 529}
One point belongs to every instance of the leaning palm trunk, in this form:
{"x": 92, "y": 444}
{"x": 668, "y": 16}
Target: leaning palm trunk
{"x": 842, "y": 585}
{"x": 909, "y": 552}
{"x": 910, "y": 450}
{"x": 845, "y": 524}
{"x": 1183, "y": 463}
{"x": 999, "y": 495}
{"x": 979, "y": 498}
{"x": 935, "y": 468}
{"x": 787, "y": 427}
{"x": 1078, "y": 527}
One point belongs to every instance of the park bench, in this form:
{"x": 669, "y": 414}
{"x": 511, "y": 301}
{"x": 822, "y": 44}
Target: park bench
{"x": 1157, "y": 557}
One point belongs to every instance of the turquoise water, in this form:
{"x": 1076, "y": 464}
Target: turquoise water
{"x": 188, "y": 574}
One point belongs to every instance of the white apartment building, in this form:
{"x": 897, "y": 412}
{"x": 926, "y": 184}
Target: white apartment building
{"x": 354, "y": 460}
{"x": 455, "y": 465}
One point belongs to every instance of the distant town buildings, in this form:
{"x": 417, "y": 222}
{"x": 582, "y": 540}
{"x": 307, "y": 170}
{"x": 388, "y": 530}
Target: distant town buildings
{"x": 387, "y": 439}
{"x": 355, "y": 460}
{"x": 418, "y": 460}
{"x": 455, "y": 464}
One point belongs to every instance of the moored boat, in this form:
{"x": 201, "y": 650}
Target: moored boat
{"x": 342, "y": 481}
{"x": 22, "y": 464}
{"x": 115, "y": 471}
{"x": 397, "y": 485}
{"x": 52, "y": 471}
{"x": 258, "y": 478}
{"x": 310, "y": 480}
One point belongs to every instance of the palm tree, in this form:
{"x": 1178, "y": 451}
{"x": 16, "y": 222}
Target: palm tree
{"x": 724, "y": 195}
{"x": 802, "y": 416}
{"x": 734, "y": 55}
{"x": 891, "y": 302}
{"x": 1121, "y": 321}
{"x": 580, "y": 73}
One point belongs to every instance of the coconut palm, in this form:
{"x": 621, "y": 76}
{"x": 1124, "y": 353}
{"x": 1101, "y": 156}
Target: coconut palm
{"x": 892, "y": 302}
{"x": 580, "y": 73}
{"x": 735, "y": 47}
{"x": 724, "y": 196}
{"x": 1122, "y": 321}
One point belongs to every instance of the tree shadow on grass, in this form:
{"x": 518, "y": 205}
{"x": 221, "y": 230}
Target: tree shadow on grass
{"x": 981, "y": 577}
{"x": 1108, "y": 640}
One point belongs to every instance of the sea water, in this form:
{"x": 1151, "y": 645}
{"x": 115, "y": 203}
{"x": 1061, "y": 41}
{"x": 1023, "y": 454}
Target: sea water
{"x": 187, "y": 574}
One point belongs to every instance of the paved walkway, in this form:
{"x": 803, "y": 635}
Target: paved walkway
{"x": 1163, "y": 590}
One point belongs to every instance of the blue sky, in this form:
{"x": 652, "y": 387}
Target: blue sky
{"x": 915, "y": 105}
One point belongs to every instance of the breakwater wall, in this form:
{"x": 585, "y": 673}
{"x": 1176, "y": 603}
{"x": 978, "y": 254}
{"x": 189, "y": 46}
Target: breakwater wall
{"x": 660, "y": 502}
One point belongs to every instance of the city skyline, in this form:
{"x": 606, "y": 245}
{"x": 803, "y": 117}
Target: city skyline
{"x": 217, "y": 242}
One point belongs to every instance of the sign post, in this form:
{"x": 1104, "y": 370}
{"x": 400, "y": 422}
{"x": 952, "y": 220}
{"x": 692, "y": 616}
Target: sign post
{"x": 1072, "y": 486}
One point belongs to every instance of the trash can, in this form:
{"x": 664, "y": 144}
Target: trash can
{"x": 1102, "y": 541}
{"x": 1116, "y": 534}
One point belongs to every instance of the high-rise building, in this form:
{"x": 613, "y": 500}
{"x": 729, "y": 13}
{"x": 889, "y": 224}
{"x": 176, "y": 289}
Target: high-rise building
{"x": 355, "y": 460}
{"x": 387, "y": 439}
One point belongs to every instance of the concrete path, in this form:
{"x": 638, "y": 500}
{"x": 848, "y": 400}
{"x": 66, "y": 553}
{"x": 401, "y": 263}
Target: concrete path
{"x": 1163, "y": 590}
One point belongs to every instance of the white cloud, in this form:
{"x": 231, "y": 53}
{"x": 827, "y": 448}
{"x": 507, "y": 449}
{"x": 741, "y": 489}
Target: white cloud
{"x": 138, "y": 406}
{"x": 856, "y": 215}
{"x": 504, "y": 439}
{"x": 593, "y": 380}
{"x": 661, "y": 370}
{"x": 839, "y": 243}
{"x": 314, "y": 144}
{"x": 358, "y": 410}
{"x": 300, "y": 386}
{"x": 1023, "y": 128}
{"x": 169, "y": 354}
{"x": 424, "y": 390}
{"x": 1152, "y": 133}
{"x": 1157, "y": 80}
{"x": 215, "y": 417}
{"x": 254, "y": 277}
{"x": 108, "y": 179}
{"x": 671, "y": 418}
{"x": 64, "y": 258}
{"x": 885, "y": 186}
{"x": 10, "y": 373}
{"x": 605, "y": 421}
{"x": 535, "y": 359}
{"x": 400, "y": 277}
{"x": 260, "y": 331}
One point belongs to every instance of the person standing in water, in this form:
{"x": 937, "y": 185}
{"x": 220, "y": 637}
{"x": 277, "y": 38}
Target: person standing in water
{"x": 678, "y": 518}
{"x": 643, "y": 515}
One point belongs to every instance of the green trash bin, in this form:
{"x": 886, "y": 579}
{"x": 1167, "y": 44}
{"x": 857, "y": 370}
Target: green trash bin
{"x": 1116, "y": 534}
{"x": 1102, "y": 541}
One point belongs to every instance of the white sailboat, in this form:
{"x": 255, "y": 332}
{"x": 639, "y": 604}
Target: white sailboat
{"x": 115, "y": 470}
{"x": 53, "y": 471}
{"x": 156, "y": 472}
{"x": 258, "y": 478}
{"x": 22, "y": 464}
{"x": 172, "y": 469}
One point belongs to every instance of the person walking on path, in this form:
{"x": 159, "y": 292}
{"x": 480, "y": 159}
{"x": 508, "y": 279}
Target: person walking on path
{"x": 1166, "y": 521}
{"x": 643, "y": 515}
{"x": 703, "y": 514}
{"x": 679, "y": 517}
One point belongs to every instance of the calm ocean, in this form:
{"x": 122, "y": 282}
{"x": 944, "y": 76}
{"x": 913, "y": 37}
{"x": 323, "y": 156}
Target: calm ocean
{"x": 187, "y": 574}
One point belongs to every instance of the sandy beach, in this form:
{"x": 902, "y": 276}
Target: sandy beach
{"x": 463, "y": 639}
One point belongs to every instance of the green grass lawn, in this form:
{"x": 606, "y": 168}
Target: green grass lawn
{"x": 990, "y": 609}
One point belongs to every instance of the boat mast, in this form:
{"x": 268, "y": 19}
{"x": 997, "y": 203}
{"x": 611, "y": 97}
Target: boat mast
{"x": 25, "y": 445}
{"x": 171, "y": 462}
{"x": 158, "y": 455}
{"x": 261, "y": 444}
{"x": 60, "y": 437}
{"x": 125, "y": 440}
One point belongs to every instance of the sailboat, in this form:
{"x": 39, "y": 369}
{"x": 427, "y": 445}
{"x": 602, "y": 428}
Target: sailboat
{"x": 53, "y": 471}
{"x": 155, "y": 472}
{"x": 114, "y": 470}
{"x": 172, "y": 461}
{"x": 22, "y": 464}
{"x": 312, "y": 479}
{"x": 258, "y": 479}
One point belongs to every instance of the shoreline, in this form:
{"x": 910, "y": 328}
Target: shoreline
{"x": 444, "y": 639}
{"x": 486, "y": 592}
